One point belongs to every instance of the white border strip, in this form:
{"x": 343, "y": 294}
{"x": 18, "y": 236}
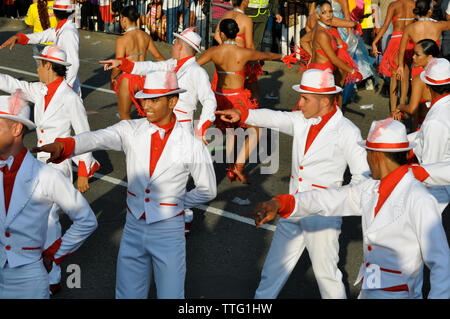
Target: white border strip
{"x": 209, "y": 209}
{"x": 35, "y": 75}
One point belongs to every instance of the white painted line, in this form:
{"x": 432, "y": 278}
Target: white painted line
{"x": 35, "y": 75}
{"x": 209, "y": 209}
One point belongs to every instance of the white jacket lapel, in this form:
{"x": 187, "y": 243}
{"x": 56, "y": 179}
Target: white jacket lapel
{"x": 55, "y": 103}
{"x": 326, "y": 134}
{"x": 24, "y": 186}
{"x": 392, "y": 208}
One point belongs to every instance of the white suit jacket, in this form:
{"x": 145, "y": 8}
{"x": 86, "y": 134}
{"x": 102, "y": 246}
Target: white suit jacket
{"x": 64, "y": 112}
{"x": 333, "y": 149}
{"x": 406, "y": 231}
{"x": 195, "y": 80}
{"x": 67, "y": 38}
{"x": 23, "y": 229}
{"x": 433, "y": 142}
{"x": 163, "y": 195}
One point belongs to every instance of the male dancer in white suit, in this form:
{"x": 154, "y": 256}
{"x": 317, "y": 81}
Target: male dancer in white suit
{"x": 433, "y": 138}
{"x": 191, "y": 76}
{"x": 65, "y": 35}
{"x": 28, "y": 191}
{"x": 401, "y": 221}
{"x": 325, "y": 142}
{"x": 161, "y": 154}
{"x": 57, "y": 110}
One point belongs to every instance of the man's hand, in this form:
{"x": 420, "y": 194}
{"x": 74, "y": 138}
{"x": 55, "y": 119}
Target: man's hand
{"x": 11, "y": 42}
{"x": 55, "y": 149}
{"x": 110, "y": 64}
{"x": 265, "y": 212}
{"x": 230, "y": 116}
{"x": 83, "y": 184}
{"x": 48, "y": 264}
{"x": 202, "y": 138}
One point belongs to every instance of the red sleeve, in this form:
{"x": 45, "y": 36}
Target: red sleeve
{"x": 287, "y": 203}
{"x": 202, "y": 130}
{"x": 126, "y": 66}
{"x": 82, "y": 171}
{"x": 69, "y": 147}
{"x": 23, "y": 39}
{"x": 51, "y": 251}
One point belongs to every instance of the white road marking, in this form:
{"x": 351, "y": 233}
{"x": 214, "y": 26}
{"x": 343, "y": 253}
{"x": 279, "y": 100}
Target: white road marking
{"x": 209, "y": 209}
{"x": 35, "y": 75}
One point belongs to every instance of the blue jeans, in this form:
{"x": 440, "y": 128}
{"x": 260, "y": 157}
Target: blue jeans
{"x": 187, "y": 13}
{"x": 171, "y": 16}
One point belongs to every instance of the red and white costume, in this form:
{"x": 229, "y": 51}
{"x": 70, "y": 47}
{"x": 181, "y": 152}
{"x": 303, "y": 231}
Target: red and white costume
{"x": 320, "y": 155}
{"x": 401, "y": 221}
{"x": 65, "y": 35}
{"x": 57, "y": 110}
{"x": 29, "y": 190}
{"x": 433, "y": 138}
{"x": 159, "y": 162}
{"x": 192, "y": 77}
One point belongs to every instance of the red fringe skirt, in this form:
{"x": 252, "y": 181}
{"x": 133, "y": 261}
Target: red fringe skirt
{"x": 389, "y": 61}
{"x": 133, "y": 82}
{"x": 228, "y": 99}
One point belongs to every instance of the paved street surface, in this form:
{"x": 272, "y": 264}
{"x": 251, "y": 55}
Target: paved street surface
{"x": 225, "y": 253}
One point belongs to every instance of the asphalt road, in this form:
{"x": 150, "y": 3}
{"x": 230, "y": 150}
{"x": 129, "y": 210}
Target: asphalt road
{"x": 225, "y": 254}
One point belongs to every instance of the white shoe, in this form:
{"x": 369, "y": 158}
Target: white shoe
{"x": 369, "y": 85}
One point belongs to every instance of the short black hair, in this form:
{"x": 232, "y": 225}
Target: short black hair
{"x": 62, "y": 15}
{"x": 440, "y": 89}
{"x": 401, "y": 158}
{"x": 59, "y": 69}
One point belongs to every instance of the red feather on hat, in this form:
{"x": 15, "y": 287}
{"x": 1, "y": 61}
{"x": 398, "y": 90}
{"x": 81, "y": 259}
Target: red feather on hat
{"x": 377, "y": 130}
{"x": 16, "y": 102}
{"x": 326, "y": 78}
{"x": 171, "y": 81}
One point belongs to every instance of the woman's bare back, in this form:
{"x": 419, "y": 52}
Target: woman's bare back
{"x": 403, "y": 14}
{"x": 135, "y": 44}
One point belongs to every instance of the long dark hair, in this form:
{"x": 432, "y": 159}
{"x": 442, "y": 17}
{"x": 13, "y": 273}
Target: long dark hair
{"x": 43, "y": 14}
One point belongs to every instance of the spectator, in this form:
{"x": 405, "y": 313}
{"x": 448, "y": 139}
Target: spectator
{"x": 40, "y": 18}
{"x": 259, "y": 11}
{"x": 10, "y": 8}
{"x": 85, "y": 12}
{"x": 170, "y": 8}
{"x": 198, "y": 19}
{"x": 156, "y": 21}
{"x": 96, "y": 18}
{"x": 294, "y": 20}
{"x": 105, "y": 13}
{"x": 114, "y": 10}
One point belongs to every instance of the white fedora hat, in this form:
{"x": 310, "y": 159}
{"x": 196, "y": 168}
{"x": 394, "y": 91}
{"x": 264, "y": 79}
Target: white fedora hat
{"x": 316, "y": 81}
{"x": 190, "y": 37}
{"x": 53, "y": 54}
{"x": 387, "y": 135}
{"x": 159, "y": 83}
{"x": 15, "y": 108}
{"x": 437, "y": 72}
{"x": 62, "y": 5}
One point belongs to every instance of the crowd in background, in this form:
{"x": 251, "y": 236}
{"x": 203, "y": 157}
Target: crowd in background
{"x": 161, "y": 18}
